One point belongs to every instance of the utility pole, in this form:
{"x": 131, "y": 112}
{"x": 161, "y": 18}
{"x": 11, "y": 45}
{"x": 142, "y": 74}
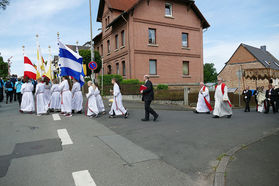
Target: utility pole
{"x": 91, "y": 42}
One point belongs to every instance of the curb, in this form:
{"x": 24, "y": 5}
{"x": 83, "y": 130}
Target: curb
{"x": 219, "y": 178}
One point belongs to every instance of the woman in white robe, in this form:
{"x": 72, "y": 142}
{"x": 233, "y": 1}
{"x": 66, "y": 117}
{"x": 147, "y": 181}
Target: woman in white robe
{"x": 41, "y": 104}
{"x": 77, "y": 99}
{"x": 27, "y": 104}
{"x": 222, "y": 103}
{"x": 117, "y": 107}
{"x": 55, "y": 100}
{"x": 100, "y": 103}
{"x": 92, "y": 109}
{"x": 201, "y": 105}
{"x": 47, "y": 93}
{"x": 66, "y": 97}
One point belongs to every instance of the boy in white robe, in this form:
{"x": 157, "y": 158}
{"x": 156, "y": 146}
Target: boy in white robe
{"x": 66, "y": 97}
{"x": 77, "y": 99}
{"x": 47, "y": 93}
{"x": 222, "y": 103}
{"x": 203, "y": 105}
{"x": 55, "y": 99}
{"x": 92, "y": 108}
{"x": 27, "y": 103}
{"x": 100, "y": 103}
{"x": 41, "y": 104}
{"x": 117, "y": 107}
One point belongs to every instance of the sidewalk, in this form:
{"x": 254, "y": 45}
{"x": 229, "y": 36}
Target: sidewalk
{"x": 256, "y": 165}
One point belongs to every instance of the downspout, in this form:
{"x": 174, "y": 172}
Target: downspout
{"x": 129, "y": 53}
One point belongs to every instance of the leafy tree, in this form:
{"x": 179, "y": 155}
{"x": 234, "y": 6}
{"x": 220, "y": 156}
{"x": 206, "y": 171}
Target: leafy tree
{"x": 3, "y": 68}
{"x": 210, "y": 73}
{"x": 4, "y": 4}
{"x": 86, "y": 55}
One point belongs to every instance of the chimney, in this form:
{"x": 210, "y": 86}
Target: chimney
{"x": 263, "y": 48}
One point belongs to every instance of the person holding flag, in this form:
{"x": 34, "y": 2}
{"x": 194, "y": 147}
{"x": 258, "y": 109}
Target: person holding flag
{"x": 223, "y": 106}
{"x": 66, "y": 97}
{"x": 203, "y": 105}
{"x": 41, "y": 106}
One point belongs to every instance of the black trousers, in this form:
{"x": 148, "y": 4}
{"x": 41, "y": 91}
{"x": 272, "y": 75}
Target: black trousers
{"x": 9, "y": 94}
{"x": 148, "y": 109}
{"x": 15, "y": 95}
{"x": 1, "y": 95}
{"x": 247, "y": 105}
{"x": 268, "y": 103}
{"x": 277, "y": 105}
{"x": 19, "y": 95}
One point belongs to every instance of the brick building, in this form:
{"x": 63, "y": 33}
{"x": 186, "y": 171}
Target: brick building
{"x": 256, "y": 64}
{"x": 161, "y": 38}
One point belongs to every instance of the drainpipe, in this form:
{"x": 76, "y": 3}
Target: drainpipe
{"x": 129, "y": 53}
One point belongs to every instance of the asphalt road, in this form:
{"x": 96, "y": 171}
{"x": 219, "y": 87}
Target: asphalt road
{"x": 179, "y": 149}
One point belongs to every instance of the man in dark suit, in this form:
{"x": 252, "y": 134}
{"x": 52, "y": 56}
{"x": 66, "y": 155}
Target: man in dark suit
{"x": 148, "y": 97}
{"x": 270, "y": 99}
{"x": 247, "y": 97}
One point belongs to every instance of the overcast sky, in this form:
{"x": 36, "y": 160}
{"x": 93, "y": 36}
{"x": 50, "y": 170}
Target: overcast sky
{"x": 253, "y": 22}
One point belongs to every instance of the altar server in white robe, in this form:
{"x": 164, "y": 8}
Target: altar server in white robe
{"x": 55, "y": 99}
{"x": 203, "y": 105}
{"x": 47, "y": 93}
{"x": 41, "y": 104}
{"x": 100, "y": 103}
{"x": 117, "y": 107}
{"x": 77, "y": 99}
{"x": 92, "y": 108}
{"x": 27, "y": 103}
{"x": 66, "y": 97}
{"x": 222, "y": 107}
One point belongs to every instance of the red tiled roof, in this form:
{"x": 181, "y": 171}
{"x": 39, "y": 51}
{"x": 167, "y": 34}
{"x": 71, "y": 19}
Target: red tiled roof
{"x": 122, "y": 5}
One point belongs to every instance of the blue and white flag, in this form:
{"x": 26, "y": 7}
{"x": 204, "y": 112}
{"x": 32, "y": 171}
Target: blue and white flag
{"x": 70, "y": 63}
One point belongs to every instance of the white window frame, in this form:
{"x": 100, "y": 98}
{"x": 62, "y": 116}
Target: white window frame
{"x": 170, "y": 5}
{"x": 155, "y": 67}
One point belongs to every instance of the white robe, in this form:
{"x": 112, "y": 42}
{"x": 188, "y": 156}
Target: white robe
{"x": 91, "y": 102}
{"x": 201, "y": 105}
{"x": 27, "y": 103}
{"x": 55, "y": 99}
{"x": 47, "y": 93}
{"x": 77, "y": 99}
{"x": 99, "y": 100}
{"x": 66, "y": 97}
{"x": 117, "y": 107}
{"x": 41, "y": 104}
{"x": 222, "y": 107}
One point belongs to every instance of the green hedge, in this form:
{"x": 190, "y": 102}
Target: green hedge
{"x": 131, "y": 82}
{"x": 162, "y": 87}
{"x": 108, "y": 77}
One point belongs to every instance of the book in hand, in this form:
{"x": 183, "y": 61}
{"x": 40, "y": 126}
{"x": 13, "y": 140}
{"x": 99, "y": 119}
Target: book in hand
{"x": 142, "y": 87}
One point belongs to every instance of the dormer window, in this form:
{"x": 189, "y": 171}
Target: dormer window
{"x": 168, "y": 10}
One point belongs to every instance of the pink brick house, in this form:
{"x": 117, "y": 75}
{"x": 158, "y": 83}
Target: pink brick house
{"x": 157, "y": 37}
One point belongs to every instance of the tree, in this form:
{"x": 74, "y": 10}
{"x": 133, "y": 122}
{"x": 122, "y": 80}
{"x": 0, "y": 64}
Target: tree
{"x": 4, "y": 4}
{"x": 86, "y": 55}
{"x": 210, "y": 73}
{"x": 3, "y": 68}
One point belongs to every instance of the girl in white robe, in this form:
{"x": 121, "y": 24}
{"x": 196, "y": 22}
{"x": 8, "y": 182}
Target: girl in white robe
{"x": 117, "y": 107}
{"x": 100, "y": 103}
{"x": 66, "y": 97}
{"x": 47, "y": 93}
{"x": 55, "y": 99}
{"x": 77, "y": 97}
{"x": 41, "y": 104}
{"x": 27, "y": 104}
{"x": 92, "y": 109}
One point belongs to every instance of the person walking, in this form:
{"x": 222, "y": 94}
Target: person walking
{"x": 18, "y": 85}
{"x": 27, "y": 104}
{"x": 247, "y": 97}
{"x": 1, "y": 89}
{"x": 203, "y": 105}
{"x": 77, "y": 99}
{"x": 9, "y": 91}
{"x": 66, "y": 97}
{"x": 148, "y": 97}
{"x": 270, "y": 99}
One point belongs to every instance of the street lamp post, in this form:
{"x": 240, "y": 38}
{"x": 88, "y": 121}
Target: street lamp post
{"x": 91, "y": 41}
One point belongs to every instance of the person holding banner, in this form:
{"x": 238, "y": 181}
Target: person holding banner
{"x": 77, "y": 99}
{"x": 92, "y": 109}
{"x": 66, "y": 97}
{"x": 27, "y": 104}
{"x": 203, "y": 105}
{"x": 41, "y": 104}
{"x": 223, "y": 106}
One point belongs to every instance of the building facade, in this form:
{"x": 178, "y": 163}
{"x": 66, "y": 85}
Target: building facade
{"x": 250, "y": 59}
{"x": 161, "y": 38}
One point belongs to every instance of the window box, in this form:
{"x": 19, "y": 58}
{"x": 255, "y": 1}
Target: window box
{"x": 153, "y": 45}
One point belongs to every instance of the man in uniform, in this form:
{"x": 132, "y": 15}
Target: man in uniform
{"x": 270, "y": 99}
{"x": 247, "y": 97}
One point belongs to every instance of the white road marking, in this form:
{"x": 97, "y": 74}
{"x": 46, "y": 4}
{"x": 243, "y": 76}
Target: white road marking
{"x": 64, "y": 136}
{"x": 56, "y": 117}
{"x": 83, "y": 178}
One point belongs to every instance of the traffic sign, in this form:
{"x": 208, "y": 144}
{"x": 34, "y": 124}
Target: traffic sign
{"x": 93, "y": 65}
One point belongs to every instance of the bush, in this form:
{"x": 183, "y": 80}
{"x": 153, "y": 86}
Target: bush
{"x": 162, "y": 87}
{"x": 108, "y": 77}
{"x": 131, "y": 82}
{"x": 86, "y": 79}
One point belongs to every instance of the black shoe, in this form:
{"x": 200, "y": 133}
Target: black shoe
{"x": 195, "y": 111}
{"x": 208, "y": 113}
{"x": 229, "y": 116}
{"x": 79, "y": 112}
{"x": 126, "y": 115}
{"x": 215, "y": 116}
{"x": 266, "y": 112}
{"x": 144, "y": 119}
{"x": 156, "y": 117}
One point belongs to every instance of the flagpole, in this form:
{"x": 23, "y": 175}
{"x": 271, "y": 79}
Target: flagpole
{"x": 23, "y": 57}
{"x": 91, "y": 42}
{"x": 59, "y": 78}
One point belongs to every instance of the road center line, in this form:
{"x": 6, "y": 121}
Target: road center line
{"x": 83, "y": 178}
{"x": 56, "y": 117}
{"x": 64, "y": 136}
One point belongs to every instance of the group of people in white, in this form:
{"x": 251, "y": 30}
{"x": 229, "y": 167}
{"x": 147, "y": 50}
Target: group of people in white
{"x": 67, "y": 98}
